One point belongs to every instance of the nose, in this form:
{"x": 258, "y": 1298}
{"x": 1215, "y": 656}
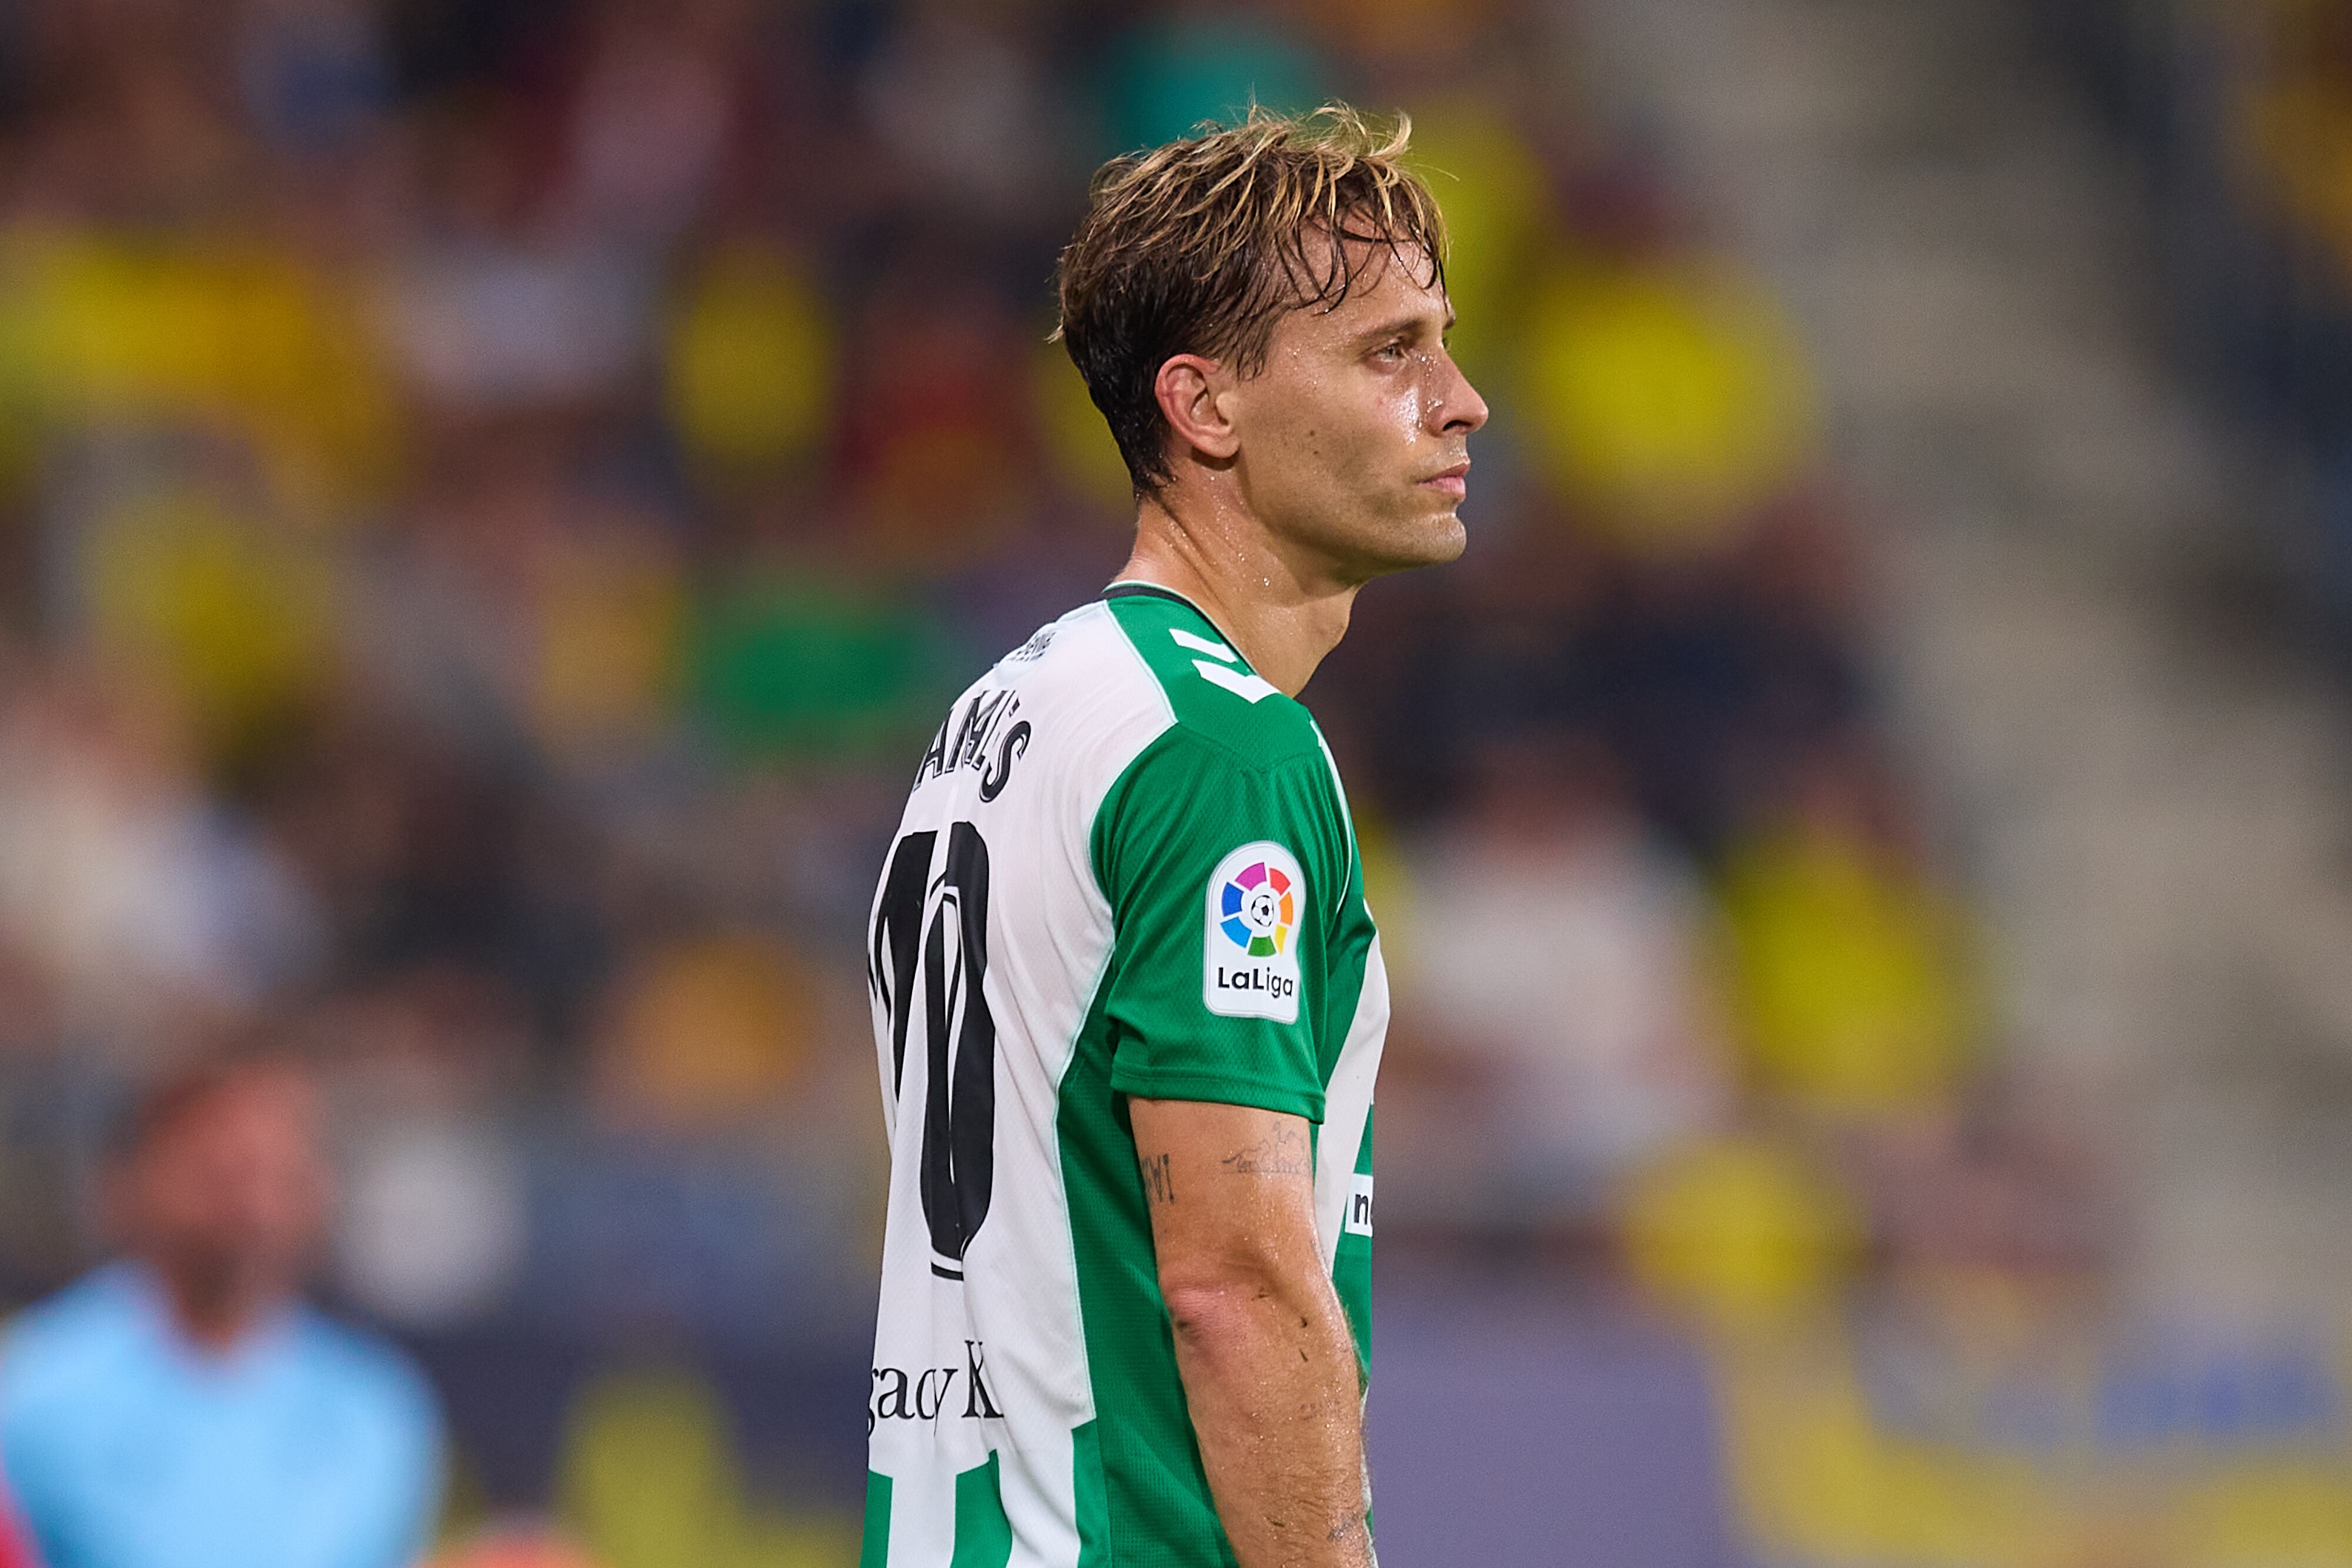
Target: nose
{"x": 1457, "y": 409}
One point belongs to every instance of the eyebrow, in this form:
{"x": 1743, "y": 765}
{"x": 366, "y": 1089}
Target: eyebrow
{"x": 1403, "y": 324}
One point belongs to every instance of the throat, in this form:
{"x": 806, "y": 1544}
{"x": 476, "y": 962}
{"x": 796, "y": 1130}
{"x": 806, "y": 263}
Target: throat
{"x": 1254, "y": 598}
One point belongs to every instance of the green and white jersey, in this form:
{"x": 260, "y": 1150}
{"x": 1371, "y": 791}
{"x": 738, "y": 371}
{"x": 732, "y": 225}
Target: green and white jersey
{"x": 1127, "y": 868}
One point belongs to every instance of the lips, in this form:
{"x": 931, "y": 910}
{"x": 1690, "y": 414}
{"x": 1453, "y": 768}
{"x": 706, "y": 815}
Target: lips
{"x": 1453, "y": 481}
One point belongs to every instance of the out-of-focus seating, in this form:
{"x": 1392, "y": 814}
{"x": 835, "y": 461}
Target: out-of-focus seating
{"x": 650, "y": 1479}
{"x": 493, "y": 499}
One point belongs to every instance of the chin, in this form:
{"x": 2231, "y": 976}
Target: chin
{"x": 1374, "y": 543}
{"x": 1454, "y": 537}
{"x": 1442, "y": 538}
{"x": 1428, "y": 541}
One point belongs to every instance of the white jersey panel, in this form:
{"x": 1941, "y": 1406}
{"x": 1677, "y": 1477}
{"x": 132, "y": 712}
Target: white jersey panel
{"x": 1347, "y": 1110}
{"x": 979, "y": 1348}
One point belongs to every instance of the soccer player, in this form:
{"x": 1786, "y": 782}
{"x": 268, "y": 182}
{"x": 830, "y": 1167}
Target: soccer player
{"x": 1128, "y": 998}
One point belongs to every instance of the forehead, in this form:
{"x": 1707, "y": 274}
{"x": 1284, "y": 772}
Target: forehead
{"x": 269, "y": 1102}
{"x": 1391, "y": 284}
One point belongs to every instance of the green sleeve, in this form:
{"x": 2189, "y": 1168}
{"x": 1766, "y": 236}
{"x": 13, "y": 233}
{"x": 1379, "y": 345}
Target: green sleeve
{"x": 1222, "y": 875}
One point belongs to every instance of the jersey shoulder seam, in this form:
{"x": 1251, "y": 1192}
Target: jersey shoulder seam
{"x": 1106, "y": 807}
{"x": 1183, "y": 730}
{"x": 1098, "y": 832}
{"x": 1261, "y": 729}
{"x": 1151, "y": 676}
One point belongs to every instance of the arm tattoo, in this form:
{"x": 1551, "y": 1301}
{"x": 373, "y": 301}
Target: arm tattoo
{"x": 1281, "y": 1152}
{"x": 1158, "y": 1179}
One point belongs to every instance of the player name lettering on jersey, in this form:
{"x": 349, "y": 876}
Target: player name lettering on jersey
{"x": 983, "y": 720}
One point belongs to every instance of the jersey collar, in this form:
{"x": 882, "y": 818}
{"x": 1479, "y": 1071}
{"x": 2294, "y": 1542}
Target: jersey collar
{"x": 1127, "y": 587}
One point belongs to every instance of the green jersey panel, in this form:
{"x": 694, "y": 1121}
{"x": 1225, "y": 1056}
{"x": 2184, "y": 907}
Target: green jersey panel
{"x": 1222, "y": 876}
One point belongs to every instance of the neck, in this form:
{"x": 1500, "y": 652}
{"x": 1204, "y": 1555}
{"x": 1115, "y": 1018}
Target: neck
{"x": 214, "y": 1314}
{"x": 1281, "y": 605}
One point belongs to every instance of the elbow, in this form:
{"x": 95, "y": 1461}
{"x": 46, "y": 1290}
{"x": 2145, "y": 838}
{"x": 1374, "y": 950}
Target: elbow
{"x": 1209, "y": 1310}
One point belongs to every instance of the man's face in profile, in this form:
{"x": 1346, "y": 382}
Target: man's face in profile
{"x": 1355, "y": 436}
{"x": 229, "y": 1194}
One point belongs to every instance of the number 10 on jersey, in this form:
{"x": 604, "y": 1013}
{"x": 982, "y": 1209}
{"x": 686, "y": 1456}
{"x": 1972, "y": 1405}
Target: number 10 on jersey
{"x": 932, "y": 925}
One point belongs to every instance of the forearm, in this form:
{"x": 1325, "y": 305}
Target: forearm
{"x": 1265, "y": 1354}
{"x": 1269, "y": 1371}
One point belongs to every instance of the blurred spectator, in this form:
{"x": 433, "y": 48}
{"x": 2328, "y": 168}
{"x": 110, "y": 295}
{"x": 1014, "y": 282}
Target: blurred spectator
{"x": 434, "y": 1232}
{"x": 179, "y": 568}
{"x": 433, "y": 1227}
{"x": 181, "y": 1407}
{"x": 801, "y": 654}
{"x": 1848, "y": 963}
{"x": 315, "y": 73}
{"x": 652, "y": 117}
{"x": 492, "y": 305}
{"x": 1556, "y": 966}
{"x": 1741, "y": 1231}
{"x": 750, "y": 365}
{"x": 1669, "y": 396}
{"x": 938, "y": 459}
{"x": 149, "y": 911}
{"x": 706, "y": 1035}
{"x": 957, "y": 99}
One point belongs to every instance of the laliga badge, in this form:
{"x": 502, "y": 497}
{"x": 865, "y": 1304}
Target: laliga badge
{"x": 1250, "y": 950}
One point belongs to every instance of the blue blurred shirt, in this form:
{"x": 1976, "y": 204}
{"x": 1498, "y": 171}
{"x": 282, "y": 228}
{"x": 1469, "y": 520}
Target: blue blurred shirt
{"x": 311, "y": 1445}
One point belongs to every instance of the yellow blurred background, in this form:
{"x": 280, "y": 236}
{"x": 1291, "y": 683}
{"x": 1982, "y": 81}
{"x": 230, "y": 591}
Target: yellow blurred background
{"x": 493, "y": 494}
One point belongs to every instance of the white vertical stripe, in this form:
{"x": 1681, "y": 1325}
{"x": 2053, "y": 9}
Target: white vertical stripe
{"x": 1347, "y": 1104}
{"x": 922, "y": 1516}
{"x": 1095, "y": 705}
{"x": 1039, "y": 1503}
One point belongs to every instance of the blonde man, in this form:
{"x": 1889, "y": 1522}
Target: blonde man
{"x": 1127, "y": 998}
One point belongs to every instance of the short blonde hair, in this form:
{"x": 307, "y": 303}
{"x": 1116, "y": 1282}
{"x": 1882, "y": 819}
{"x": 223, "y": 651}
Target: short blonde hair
{"x": 1199, "y": 246}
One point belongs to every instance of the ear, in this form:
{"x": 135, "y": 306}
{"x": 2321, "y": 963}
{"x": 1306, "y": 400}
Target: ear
{"x": 1189, "y": 389}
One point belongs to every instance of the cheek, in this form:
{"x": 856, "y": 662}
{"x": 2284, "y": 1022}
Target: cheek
{"x": 1406, "y": 407}
{"x": 1338, "y": 438}
{"x": 1400, "y": 412}
{"x": 1388, "y": 444}
{"x": 1369, "y": 439}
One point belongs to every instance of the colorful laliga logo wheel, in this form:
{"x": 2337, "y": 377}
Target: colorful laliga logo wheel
{"x": 1258, "y": 911}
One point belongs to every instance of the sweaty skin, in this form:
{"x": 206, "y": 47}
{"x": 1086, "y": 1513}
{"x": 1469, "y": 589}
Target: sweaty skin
{"x": 1261, "y": 1341}
{"x": 1344, "y": 457}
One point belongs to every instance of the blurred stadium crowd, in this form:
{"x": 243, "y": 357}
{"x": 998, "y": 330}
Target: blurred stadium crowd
{"x": 2243, "y": 116}
{"x": 495, "y": 494}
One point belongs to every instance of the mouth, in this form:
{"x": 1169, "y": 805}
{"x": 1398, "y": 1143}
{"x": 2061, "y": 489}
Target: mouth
{"x": 1452, "y": 482}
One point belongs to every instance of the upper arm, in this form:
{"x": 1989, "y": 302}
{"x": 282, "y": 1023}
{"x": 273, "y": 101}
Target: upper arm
{"x": 1222, "y": 876}
{"x": 1231, "y": 1194}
